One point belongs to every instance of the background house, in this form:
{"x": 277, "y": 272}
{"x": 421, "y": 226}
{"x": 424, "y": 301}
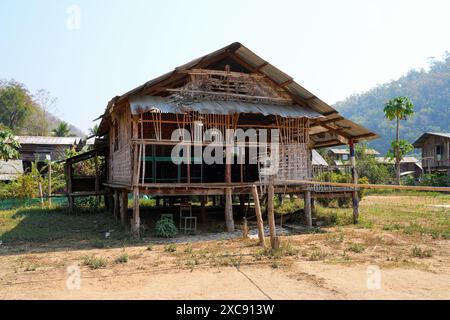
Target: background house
{"x": 340, "y": 156}
{"x": 408, "y": 165}
{"x": 38, "y": 148}
{"x": 435, "y": 151}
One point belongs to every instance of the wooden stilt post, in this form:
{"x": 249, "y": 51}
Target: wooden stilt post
{"x": 229, "y": 210}
{"x": 97, "y": 178}
{"x": 308, "y": 213}
{"x": 271, "y": 215}
{"x": 116, "y": 205}
{"x": 158, "y": 201}
{"x": 69, "y": 186}
{"x": 228, "y": 191}
{"x": 49, "y": 183}
{"x": 355, "y": 196}
{"x": 203, "y": 208}
{"x": 136, "y": 223}
{"x": 242, "y": 204}
{"x": 259, "y": 218}
{"x": 123, "y": 206}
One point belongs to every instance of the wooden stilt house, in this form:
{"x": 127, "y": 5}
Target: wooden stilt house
{"x": 208, "y": 100}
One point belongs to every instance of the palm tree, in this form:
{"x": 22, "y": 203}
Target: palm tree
{"x": 62, "y": 130}
{"x": 399, "y": 108}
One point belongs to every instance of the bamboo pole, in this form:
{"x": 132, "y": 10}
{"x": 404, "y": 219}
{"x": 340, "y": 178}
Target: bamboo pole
{"x": 259, "y": 219}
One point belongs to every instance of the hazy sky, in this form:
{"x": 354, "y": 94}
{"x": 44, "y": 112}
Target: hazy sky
{"x": 333, "y": 48}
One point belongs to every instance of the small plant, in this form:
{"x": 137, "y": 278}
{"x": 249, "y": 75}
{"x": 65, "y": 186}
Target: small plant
{"x": 30, "y": 268}
{"x": 94, "y": 262}
{"x": 123, "y": 258}
{"x": 317, "y": 255}
{"x": 274, "y": 265}
{"x": 421, "y": 253}
{"x": 165, "y": 228}
{"x": 171, "y": 247}
{"x": 356, "y": 248}
{"x": 188, "y": 249}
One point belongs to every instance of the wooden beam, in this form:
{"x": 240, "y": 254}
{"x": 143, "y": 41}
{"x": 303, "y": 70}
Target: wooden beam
{"x": 259, "y": 219}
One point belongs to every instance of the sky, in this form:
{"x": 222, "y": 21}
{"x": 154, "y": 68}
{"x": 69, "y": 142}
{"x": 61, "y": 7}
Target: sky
{"x": 87, "y": 52}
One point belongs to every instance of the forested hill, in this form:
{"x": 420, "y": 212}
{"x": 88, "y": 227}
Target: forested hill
{"x": 428, "y": 90}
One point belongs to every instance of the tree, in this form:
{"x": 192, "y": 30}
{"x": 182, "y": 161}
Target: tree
{"x": 367, "y": 166}
{"x": 16, "y": 105}
{"x": 9, "y": 146}
{"x": 45, "y": 106}
{"x": 399, "y": 108}
{"x": 93, "y": 131}
{"x": 62, "y": 130}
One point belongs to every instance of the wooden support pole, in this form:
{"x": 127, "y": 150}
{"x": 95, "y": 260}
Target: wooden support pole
{"x": 228, "y": 191}
{"x": 308, "y": 210}
{"x": 355, "y": 196}
{"x": 116, "y": 208}
{"x": 229, "y": 210}
{"x": 259, "y": 218}
{"x": 204, "y": 201}
{"x": 97, "y": 178}
{"x": 49, "y": 183}
{"x": 271, "y": 215}
{"x": 69, "y": 186}
{"x": 242, "y": 198}
{"x": 123, "y": 207}
{"x": 136, "y": 222}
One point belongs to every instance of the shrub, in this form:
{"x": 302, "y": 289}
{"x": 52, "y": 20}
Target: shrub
{"x": 165, "y": 228}
{"x": 123, "y": 258}
{"x": 171, "y": 247}
{"x": 94, "y": 262}
{"x": 421, "y": 253}
{"x": 356, "y": 247}
{"x": 435, "y": 180}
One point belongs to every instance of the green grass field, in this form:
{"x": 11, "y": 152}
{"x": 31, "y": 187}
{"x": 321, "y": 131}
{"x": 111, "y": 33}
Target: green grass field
{"x": 399, "y": 212}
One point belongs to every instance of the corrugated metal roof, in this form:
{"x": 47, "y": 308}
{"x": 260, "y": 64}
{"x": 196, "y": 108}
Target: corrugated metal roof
{"x": 48, "y": 140}
{"x": 10, "y": 170}
{"x": 391, "y": 161}
{"x": 421, "y": 140}
{"x": 318, "y": 160}
{"x": 147, "y": 103}
{"x": 347, "y": 151}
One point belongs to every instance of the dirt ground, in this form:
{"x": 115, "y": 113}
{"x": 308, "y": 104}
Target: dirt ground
{"x": 312, "y": 266}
